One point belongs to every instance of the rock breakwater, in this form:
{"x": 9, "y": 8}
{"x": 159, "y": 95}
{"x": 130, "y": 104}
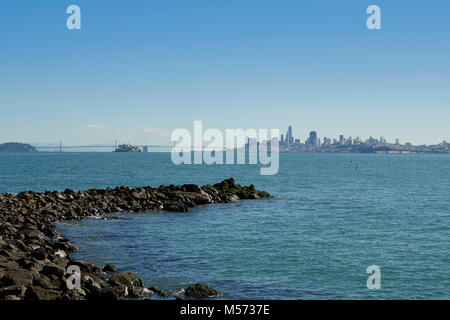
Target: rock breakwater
{"x": 35, "y": 259}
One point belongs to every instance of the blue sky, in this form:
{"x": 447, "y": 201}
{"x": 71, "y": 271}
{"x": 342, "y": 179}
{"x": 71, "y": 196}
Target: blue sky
{"x": 139, "y": 69}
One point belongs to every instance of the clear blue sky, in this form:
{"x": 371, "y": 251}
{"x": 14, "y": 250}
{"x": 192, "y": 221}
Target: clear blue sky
{"x": 139, "y": 69}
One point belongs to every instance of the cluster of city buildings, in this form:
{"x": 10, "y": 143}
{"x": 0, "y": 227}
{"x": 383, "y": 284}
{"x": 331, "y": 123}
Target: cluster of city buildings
{"x": 348, "y": 144}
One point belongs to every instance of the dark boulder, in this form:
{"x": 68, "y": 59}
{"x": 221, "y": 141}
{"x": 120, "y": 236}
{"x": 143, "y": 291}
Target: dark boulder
{"x": 53, "y": 269}
{"x": 109, "y": 268}
{"x": 85, "y": 266}
{"x": 39, "y": 253}
{"x": 135, "y": 287}
{"x": 52, "y": 283}
{"x": 127, "y": 279}
{"x": 16, "y": 278}
{"x": 17, "y": 291}
{"x": 117, "y": 292}
{"x": 200, "y": 290}
{"x": 191, "y": 188}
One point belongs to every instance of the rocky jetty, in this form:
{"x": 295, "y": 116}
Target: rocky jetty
{"x": 35, "y": 260}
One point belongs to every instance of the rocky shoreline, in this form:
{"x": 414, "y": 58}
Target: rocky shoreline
{"x": 35, "y": 261}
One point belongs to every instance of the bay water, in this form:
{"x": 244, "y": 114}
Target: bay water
{"x": 326, "y": 223}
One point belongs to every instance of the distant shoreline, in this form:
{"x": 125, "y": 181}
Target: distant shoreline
{"x": 302, "y": 152}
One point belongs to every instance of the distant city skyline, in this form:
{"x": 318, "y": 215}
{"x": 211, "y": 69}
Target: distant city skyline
{"x": 314, "y": 143}
{"x": 138, "y": 70}
{"x": 287, "y": 138}
{"x": 315, "y": 139}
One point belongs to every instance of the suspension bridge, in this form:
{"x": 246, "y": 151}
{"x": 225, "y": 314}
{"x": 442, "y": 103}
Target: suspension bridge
{"x": 61, "y": 147}
{"x": 145, "y": 148}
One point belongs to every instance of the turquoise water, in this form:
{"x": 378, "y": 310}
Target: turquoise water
{"x": 325, "y": 225}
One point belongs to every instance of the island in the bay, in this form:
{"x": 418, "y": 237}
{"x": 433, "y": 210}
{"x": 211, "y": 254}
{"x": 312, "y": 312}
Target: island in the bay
{"x": 127, "y": 148}
{"x": 17, "y": 147}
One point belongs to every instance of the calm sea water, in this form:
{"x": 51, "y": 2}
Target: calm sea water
{"x": 315, "y": 239}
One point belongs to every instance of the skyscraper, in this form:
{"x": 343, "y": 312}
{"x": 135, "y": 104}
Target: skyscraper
{"x": 312, "y": 138}
{"x": 290, "y": 137}
{"x": 287, "y": 140}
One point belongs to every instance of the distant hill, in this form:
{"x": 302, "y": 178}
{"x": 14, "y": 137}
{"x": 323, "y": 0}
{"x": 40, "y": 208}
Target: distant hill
{"x": 17, "y": 147}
